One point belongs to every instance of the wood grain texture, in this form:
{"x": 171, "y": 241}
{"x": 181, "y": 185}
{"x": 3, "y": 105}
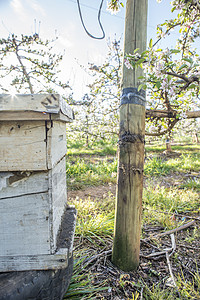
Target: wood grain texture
{"x": 31, "y": 208}
{"x": 22, "y": 146}
{"x": 22, "y": 183}
{"x": 31, "y": 145}
{"x": 56, "y": 142}
{"x": 135, "y": 37}
{"x": 126, "y": 246}
{"x": 24, "y": 116}
{"x": 38, "y": 103}
{"x": 34, "y": 262}
{"x": 58, "y": 194}
{"x": 129, "y": 190}
{"x": 24, "y": 225}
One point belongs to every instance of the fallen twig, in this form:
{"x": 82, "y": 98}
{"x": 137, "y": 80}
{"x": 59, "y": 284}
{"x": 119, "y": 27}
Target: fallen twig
{"x": 173, "y": 244}
{"x": 163, "y": 252}
{"x": 170, "y": 231}
{"x": 176, "y": 229}
{"x": 170, "y": 270}
{"x": 169, "y": 264}
{"x": 94, "y": 257}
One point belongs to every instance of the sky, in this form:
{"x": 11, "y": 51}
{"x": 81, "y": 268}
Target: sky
{"x": 60, "y": 18}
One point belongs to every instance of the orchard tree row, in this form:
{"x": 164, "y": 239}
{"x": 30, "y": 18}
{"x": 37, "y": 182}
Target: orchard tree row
{"x": 171, "y": 81}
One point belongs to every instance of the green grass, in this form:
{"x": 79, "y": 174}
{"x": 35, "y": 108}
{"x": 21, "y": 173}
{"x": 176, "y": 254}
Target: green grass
{"x": 161, "y": 206}
{"x": 95, "y": 219}
{"x": 170, "y": 199}
{"x": 100, "y": 147}
{"x": 160, "y": 203}
{"x": 109, "y": 150}
{"x": 155, "y": 148}
{"x": 82, "y": 285}
{"x": 156, "y": 167}
{"x": 189, "y": 290}
{"x": 87, "y": 172}
{"x": 192, "y": 184}
{"x": 185, "y": 163}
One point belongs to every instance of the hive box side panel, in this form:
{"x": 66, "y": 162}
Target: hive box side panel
{"x": 58, "y": 192}
{"x": 22, "y": 146}
{"x": 24, "y": 225}
{"x": 38, "y": 199}
{"x": 14, "y": 184}
{"x": 37, "y": 102}
{"x": 56, "y": 143}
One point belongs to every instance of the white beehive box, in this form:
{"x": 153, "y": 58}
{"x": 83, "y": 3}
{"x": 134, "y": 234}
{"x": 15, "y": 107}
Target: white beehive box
{"x": 32, "y": 181}
{"x": 32, "y": 131}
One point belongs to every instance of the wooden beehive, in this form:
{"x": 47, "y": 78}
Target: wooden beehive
{"x": 32, "y": 131}
{"x": 32, "y": 181}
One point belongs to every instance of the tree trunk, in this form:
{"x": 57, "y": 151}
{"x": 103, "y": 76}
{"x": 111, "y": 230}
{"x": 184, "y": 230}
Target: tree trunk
{"x": 196, "y": 138}
{"x": 126, "y": 245}
{"x": 168, "y": 145}
{"x": 170, "y": 114}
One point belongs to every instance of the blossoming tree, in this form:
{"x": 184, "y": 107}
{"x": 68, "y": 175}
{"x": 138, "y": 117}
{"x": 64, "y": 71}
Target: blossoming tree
{"x": 29, "y": 65}
{"x": 172, "y": 76}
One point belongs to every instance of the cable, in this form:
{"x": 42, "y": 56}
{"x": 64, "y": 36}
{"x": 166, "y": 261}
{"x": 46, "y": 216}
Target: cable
{"x": 104, "y": 12}
{"x": 99, "y": 16}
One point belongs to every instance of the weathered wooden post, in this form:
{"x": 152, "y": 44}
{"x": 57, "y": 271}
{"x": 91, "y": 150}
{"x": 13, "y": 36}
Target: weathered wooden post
{"x": 126, "y": 245}
{"x": 36, "y": 225}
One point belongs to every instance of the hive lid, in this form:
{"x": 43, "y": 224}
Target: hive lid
{"x": 36, "y": 103}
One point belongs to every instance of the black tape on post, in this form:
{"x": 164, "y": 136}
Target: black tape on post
{"x": 133, "y": 96}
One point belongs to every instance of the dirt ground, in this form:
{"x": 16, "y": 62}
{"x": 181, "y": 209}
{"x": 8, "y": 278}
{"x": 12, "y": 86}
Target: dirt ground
{"x": 95, "y": 192}
{"x": 157, "y": 267}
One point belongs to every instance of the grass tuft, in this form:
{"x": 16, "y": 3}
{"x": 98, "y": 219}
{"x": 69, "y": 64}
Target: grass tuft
{"x": 170, "y": 198}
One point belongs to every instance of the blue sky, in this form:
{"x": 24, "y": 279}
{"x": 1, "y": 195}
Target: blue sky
{"x": 61, "y": 16}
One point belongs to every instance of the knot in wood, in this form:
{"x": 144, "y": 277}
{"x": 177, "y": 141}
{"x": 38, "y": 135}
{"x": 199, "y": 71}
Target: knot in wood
{"x": 127, "y": 169}
{"x": 128, "y": 137}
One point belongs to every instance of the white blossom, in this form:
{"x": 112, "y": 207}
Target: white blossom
{"x": 127, "y": 64}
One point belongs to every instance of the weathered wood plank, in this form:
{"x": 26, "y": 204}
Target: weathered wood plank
{"x": 31, "y": 201}
{"x": 22, "y": 146}
{"x": 36, "y": 102}
{"x": 56, "y": 143}
{"x": 58, "y": 192}
{"x": 24, "y": 225}
{"x": 22, "y": 183}
{"x": 32, "y": 115}
{"x": 43, "y": 103}
{"x": 62, "y": 118}
{"x": 31, "y": 145}
{"x": 66, "y": 109}
{"x": 24, "y": 116}
{"x": 35, "y": 262}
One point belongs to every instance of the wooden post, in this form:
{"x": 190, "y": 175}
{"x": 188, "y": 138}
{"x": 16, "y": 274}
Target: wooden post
{"x": 126, "y": 245}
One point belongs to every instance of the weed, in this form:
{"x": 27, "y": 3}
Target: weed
{"x": 82, "y": 285}
{"x": 192, "y": 184}
{"x": 83, "y": 172}
{"x": 191, "y": 237}
{"x": 185, "y": 163}
{"x": 158, "y": 293}
{"x": 92, "y": 221}
{"x": 159, "y": 200}
{"x": 189, "y": 289}
{"x": 156, "y": 166}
